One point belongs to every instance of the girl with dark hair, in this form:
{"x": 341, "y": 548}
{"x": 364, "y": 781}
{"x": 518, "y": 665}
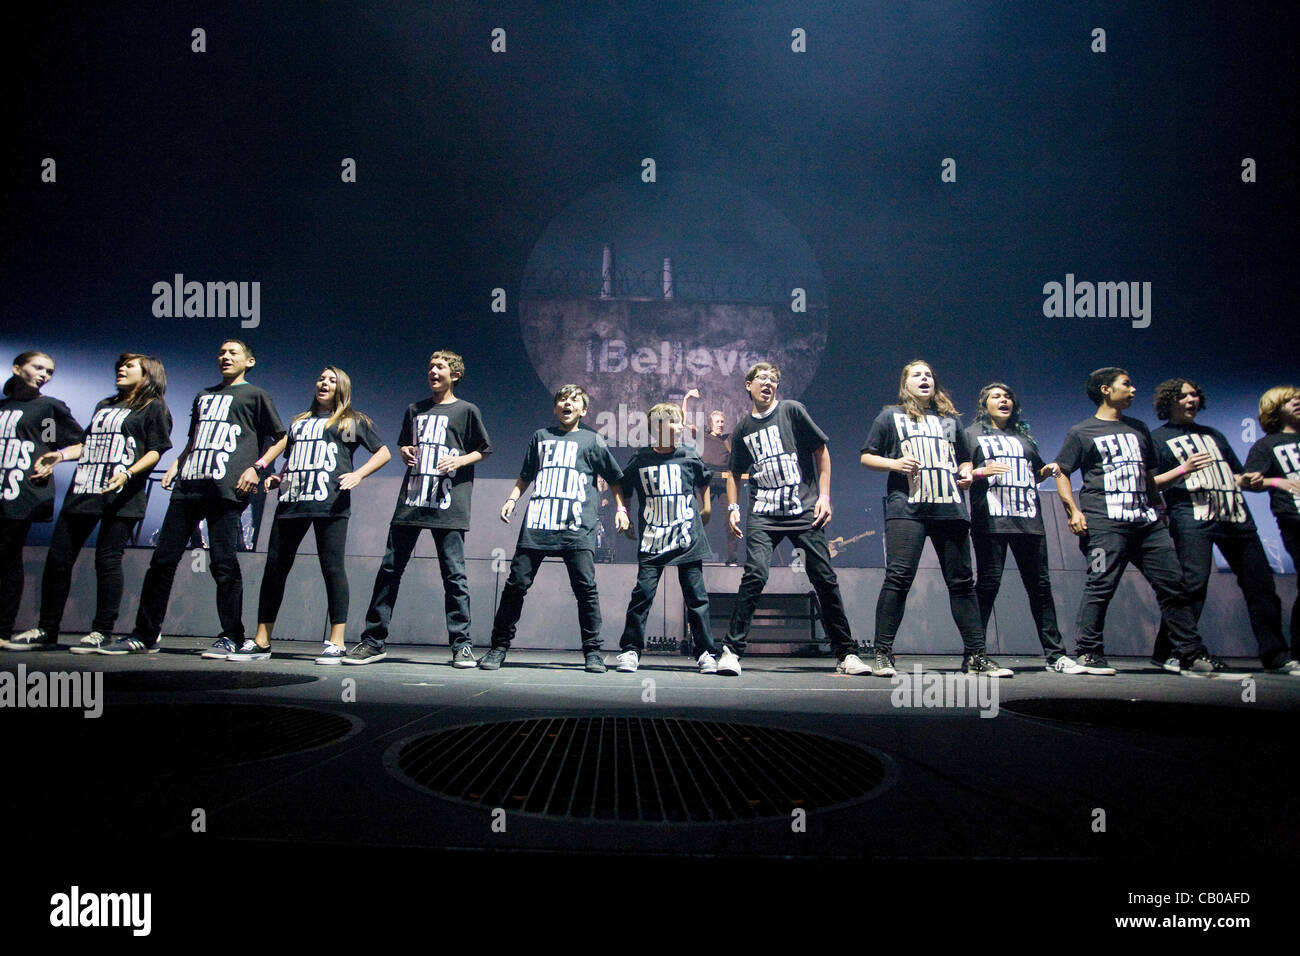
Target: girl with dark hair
{"x": 315, "y": 493}
{"x": 129, "y": 432}
{"x": 921, "y": 444}
{"x": 36, "y": 433}
{"x": 1006, "y": 513}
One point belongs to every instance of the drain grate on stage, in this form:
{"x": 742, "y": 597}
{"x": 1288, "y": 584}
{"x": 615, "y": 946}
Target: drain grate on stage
{"x": 649, "y": 770}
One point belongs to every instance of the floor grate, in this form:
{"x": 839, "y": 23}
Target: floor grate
{"x": 650, "y": 770}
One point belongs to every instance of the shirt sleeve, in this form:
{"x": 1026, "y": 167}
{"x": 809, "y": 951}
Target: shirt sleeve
{"x": 158, "y": 428}
{"x": 1229, "y": 455}
{"x": 604, "y": 463}
{"x": 478, "y": 436}
{"x": 532, "y": 459}
{"x": 740, "y": 457}
{"x": 66, "y": 430}
{"x": 805, "y": 429}
{"x": 1070, "y": 456}
{"x": 369, "y": 437}
{"x": 269, "y": 424}
{"x": 962, "y": 445}
{"x": 878, "y": 439}
{"x": 1258, "y": 459}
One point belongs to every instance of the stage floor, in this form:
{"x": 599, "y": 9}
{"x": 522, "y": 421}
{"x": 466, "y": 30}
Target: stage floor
{"x": 296, "y": 762}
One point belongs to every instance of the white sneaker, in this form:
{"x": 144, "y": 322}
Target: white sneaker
{"x": 852, "y": 664}
{"x": 1065, "y": 665}
{"x": 708, "y": 663}
{"x": 728, "y": 663}
{"x": 91, "y": 643}
{"x": 331, "y": 654}
{"x": 627, "y": 662}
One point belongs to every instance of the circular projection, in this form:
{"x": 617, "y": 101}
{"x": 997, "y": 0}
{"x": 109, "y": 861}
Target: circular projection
{"x": 640, "y": 291}
{"x": 638, "y": 769}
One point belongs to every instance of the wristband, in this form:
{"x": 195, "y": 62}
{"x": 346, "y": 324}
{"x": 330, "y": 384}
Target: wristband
{"x": 734, "y": 508}
{"x": 622, "y": 510}
{"x": 62, "y": 456}
{"x": 977, "y": 473}
{"x": 261, "y": 469}
{"x": 1182, "y": 469}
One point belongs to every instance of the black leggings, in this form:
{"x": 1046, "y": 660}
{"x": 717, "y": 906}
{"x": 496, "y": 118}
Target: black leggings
{"x": 904, "y": 539}
{"x": 70, "y": 534}
{"x": 13, "y": 535}
{"x": 286, "y": 535}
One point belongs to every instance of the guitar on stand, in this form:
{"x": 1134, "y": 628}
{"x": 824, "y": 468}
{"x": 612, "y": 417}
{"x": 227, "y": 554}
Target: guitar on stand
{"x": 838, "y": 544}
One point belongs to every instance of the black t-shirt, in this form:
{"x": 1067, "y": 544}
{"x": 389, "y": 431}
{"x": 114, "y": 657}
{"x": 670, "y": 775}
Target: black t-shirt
{"x": 715, "y": 451}
{"x": 1207, "y": 499}
{"x": 1115, "y": 458}
{"x": 427, "y": 499}
{"x": 1278, "y": 456}
{"x": 939, "y": 444}
{"x": 316, "y": 455}
{"x": 28, "y": 429}
{"x": 229, "y": 427}
{"x": 1007, "y": 503}
{"x": 117, "y": 438}
{"x": 777, "y": 452}
{"x": 561, "y": 513}
{"x": 669, "y": 513}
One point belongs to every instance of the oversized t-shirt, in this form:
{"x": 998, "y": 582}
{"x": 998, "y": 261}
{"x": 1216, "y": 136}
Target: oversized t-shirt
{"x": 28, "y": 429}
{"x": 1006, "y": 503}
{"x": 1207, "y": 499}
{"x": 1115, "y": 458}
{"x": 939, "y": 444}
{"x": 316, "y": 456}
{"x": 668, "y": 511}
{"x": 229, "y": 427}
{"x": 563, "y": 466}
{"x": 1278, "y": 456}
{"x": 777, "y": 452}
{"x": 118, "y": 436}
{"x": 427, "y": 499}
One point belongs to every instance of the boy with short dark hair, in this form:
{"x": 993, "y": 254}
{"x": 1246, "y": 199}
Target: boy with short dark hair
{"x": 565, "y": 460}
{"x": 784, "y": 452}
{"x": 667, "y": 477}
{"x": 1117, "y": 523}
{"x": 441, "y": 440}
{"x": 214, "y": 476}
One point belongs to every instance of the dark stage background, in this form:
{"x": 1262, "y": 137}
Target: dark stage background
{"x": 794, "y": 145}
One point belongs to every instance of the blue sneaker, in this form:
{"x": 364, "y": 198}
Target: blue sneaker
{"x": 221, "y": 648}
{"x": 125, "y": 645}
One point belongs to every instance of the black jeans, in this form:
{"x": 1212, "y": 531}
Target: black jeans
{"x": 691, "y": 578}
{"x": 13, "y": 535}
{"x": 286, "y": 536}
{"x": 817, "y": 564}
{"x": 180, "y": 522}
{"x": 1291, "y": 541}
{"x": 1108, "y": 551}
{"x": 581, "y": 566}
{"x": 70, "y": 534}
{"x": 1030, "y": 551}
{"x": 1245, "y": 555}
{"x": 717, "y": 531}
{"x": 450, "y": 545}
{"x": 904, "y": 541}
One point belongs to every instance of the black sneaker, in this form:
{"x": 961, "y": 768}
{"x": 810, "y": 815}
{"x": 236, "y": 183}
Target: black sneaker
{"x": 92, "y": 642}
{"x": 463, "y": 656}
{"x": 251, "y": 651}
{"x": 1171, "y": 664}
{"x": 595, "y": 663}
{"x": 1205, "y": 665}
{"x": 125, "y": 645}
{"x": 32, "y": 639}
{"x": 1095, "y": 664}
{"x": 493, "y": 659}
{"x": 980, "y": 664}
{"x": 884, "y": 666}
{"x": 364, "y": 653}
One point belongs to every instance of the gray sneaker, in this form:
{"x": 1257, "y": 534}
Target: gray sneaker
{"x": 1065, "y": 665}
{"x": 364, "y": 653}
{"x": 463, "y": 656}
{"x": 91, "y": 643}
{"x": 221, "y": 649}
{"x": 595, "y": 663}
{"x": 493, "y": 659}
{"x": 884, "y": 666}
